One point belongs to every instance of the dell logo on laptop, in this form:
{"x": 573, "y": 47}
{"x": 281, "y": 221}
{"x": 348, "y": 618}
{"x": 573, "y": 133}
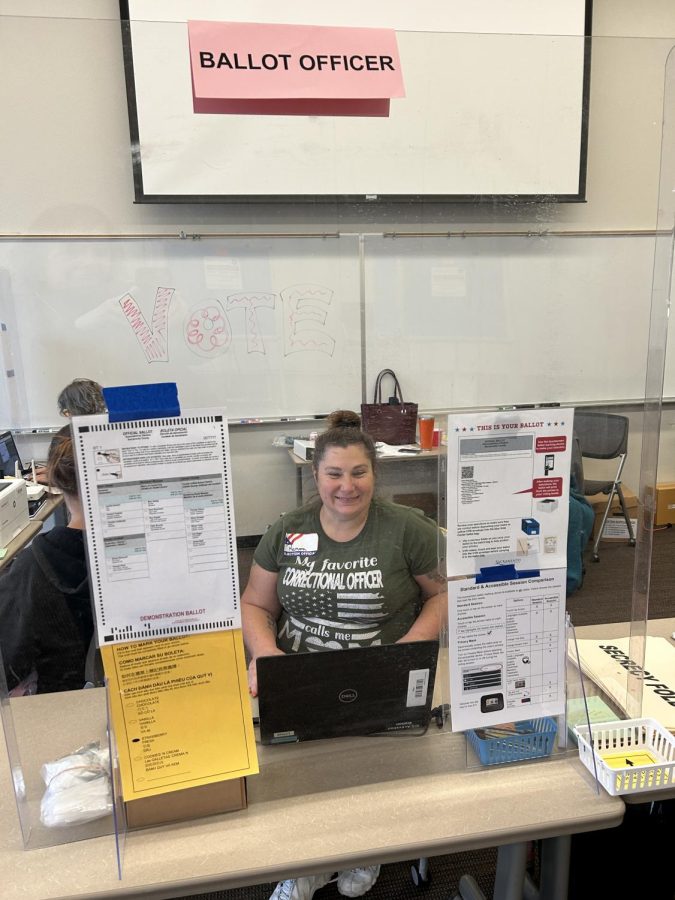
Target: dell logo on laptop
{"x": 348, "y": 695}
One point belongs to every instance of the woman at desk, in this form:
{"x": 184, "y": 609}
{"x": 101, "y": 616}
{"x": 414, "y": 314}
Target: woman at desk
{"x": 345, "y": 570}
{"x": 46, "y": 622}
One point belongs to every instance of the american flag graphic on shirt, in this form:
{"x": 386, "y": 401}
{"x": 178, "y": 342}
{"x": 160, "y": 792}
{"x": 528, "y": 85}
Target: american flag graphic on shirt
{"x": 301, "y": 543}
{"x": 340, "y": 603}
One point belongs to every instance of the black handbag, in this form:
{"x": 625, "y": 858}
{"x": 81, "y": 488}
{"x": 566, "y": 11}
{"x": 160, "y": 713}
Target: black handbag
{"x": 393, "y": 422}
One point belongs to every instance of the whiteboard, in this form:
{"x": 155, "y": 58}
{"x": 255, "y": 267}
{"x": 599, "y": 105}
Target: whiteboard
{"x": 485, "y": 113}
{"x": 465, "y": 322}
{"x": 474, "y": 322}
{"x": 268, "y": 328}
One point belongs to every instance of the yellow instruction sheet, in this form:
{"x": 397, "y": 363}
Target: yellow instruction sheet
{"x": 180, "y": 711}
{"x": 625, "y": 760}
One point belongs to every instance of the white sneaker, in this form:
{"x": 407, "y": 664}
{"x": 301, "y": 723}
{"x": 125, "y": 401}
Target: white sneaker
{"x": 355, "y": 882}
{"x": 300, "y": 888}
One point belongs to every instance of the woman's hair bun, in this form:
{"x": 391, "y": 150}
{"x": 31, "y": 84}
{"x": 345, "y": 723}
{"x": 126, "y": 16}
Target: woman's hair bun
{"x": 344, "y": 418}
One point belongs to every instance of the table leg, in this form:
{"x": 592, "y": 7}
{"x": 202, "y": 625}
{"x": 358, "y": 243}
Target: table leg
{"x": 509, "y": 877}
{"x": 554, "y": 869}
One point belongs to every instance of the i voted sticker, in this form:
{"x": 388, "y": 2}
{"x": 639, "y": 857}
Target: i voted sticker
{"x": 299, "y": 544}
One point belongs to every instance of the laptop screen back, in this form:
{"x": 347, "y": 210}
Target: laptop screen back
{"x": 9, "y": 455}
{"x": 334, "y": 693}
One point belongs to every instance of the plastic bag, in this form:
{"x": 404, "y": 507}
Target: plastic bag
{"x": 78, "y": 787}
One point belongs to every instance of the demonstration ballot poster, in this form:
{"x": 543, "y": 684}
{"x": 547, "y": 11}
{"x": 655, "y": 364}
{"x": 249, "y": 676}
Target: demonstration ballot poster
{"x": 157, "y": 499}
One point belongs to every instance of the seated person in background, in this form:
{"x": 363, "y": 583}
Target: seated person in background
{"x": 46, "y": 622}
{"x": 344, "y": 570}
{"x": 82, "y": 397}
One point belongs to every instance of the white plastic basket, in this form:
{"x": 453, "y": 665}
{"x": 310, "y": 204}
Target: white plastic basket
{"x": 620, "y": 748}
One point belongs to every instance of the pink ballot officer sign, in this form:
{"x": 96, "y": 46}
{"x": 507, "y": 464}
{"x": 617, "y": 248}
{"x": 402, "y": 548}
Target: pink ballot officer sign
{"x": 244, "y": 67}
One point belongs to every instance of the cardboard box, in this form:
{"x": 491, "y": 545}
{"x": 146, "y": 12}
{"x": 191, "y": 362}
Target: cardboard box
{"x": 599, "y": 502}
{"x": 191, "y": 803}
{"x": 13, "y": 509}
{"x": 665, "y": 504}
{"x": 303, "y": 449}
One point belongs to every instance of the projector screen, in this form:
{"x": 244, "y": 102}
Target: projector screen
{"x": 496, "y": 99}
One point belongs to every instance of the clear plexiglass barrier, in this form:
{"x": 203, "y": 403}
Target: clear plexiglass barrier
{"x": 493, "y": 240}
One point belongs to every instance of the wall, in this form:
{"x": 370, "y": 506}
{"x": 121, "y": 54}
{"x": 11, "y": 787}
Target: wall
{"x": 67, "y": 185}
{"x": 69, "y": 161}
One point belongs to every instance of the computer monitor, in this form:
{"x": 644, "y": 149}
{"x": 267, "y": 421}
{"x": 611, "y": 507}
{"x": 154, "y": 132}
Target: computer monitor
{"x": 9, "y": 455}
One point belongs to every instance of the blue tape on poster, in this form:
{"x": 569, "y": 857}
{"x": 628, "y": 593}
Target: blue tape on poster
{"x": 504, "y": 573}
{"x": 142, "y": 401}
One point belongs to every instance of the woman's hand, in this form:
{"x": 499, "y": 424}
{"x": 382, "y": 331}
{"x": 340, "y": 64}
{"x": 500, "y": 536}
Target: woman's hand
{"x": 40, "y": 475}
{"x": 253, "y": 671}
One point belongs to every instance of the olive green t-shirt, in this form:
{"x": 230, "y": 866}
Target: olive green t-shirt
{"x": 336, "y": 595}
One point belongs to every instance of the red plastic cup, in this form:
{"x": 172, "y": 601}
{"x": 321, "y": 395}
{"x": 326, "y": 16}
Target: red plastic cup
{"x": 426, "y": 429}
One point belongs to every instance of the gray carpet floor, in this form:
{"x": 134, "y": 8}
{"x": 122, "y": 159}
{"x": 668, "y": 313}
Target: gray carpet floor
{"x": 607, "y": 590}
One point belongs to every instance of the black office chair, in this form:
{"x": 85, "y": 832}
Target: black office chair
{"x": 604, "y": 436}
{"x": 577, "y": 480}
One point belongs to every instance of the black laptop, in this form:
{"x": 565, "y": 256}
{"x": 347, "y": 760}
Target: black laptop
{"x": 9, "y": 455}
{"x": 335, "y": 693}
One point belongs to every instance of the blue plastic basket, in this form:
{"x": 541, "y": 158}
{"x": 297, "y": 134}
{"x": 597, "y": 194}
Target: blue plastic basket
{"x": 532, "y": 740}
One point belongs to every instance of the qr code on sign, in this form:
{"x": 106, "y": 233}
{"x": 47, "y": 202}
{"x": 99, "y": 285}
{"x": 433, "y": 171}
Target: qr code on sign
{"x": 467, "y": 471}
